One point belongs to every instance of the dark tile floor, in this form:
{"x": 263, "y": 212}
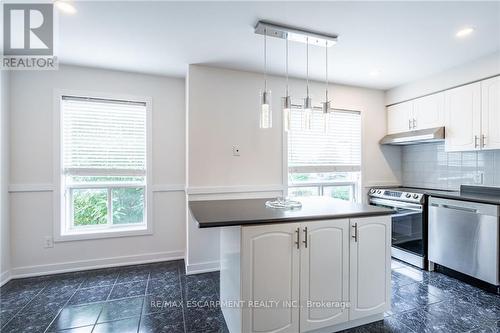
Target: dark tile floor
{"x": 161, "y": 298}
{"x": 144, "y": 298}
{"x": 433, "y": 302}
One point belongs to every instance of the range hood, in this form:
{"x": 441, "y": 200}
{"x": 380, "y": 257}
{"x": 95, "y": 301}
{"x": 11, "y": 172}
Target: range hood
{"x": 414, "y": 137}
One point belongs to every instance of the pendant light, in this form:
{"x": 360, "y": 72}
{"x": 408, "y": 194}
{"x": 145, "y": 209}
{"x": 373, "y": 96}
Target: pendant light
{"x": 307, "y": 107}
{"x": 286, "y": 101}
{"x": 266, "y": 115}
{"x": 325, "y": 106}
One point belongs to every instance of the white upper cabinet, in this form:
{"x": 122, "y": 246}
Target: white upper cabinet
{"x": 420, "y": 113}
{"x": 428, "y": 111}
{"x": 490, "y": 110}
{"x": 463, "y": 118}
{"x": 399, "y": 118}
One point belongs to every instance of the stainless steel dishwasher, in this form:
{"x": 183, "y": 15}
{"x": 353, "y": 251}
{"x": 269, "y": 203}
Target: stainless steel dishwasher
{"x": 464, "y": 236}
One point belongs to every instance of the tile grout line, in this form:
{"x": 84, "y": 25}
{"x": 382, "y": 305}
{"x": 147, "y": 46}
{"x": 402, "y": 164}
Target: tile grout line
{"x": 144, "y": 300}
{"x": 66, "y": 303}
{"x": 107, "y": 298}
{"x": 21, "y": 309}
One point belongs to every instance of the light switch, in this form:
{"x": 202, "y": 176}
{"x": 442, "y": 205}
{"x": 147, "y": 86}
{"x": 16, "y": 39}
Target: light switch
{"x": 236, "y": 150}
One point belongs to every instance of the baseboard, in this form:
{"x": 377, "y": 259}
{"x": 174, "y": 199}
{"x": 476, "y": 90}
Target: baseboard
{"x": 4, "y": 277}
{"x": 204, "y": 267}
{"x": 38, "y": 270}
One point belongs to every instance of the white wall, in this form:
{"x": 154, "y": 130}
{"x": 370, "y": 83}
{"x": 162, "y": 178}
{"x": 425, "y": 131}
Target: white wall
{"x": 4, "y": 177}
{"x": 223, "y": 111}
{"x": 31, "y": 177}
{"x": 473, "y": 71}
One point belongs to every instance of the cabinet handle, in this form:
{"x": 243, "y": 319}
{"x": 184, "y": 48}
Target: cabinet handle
{"x": 355, "y": 236}
{"x": 305, "y": 237}
{"x": 483, "y": 141}
{"x": 297, "y": 242}
{"x": 409, "y": 124}
{"x": 414, "y": 123}
{"x": 475, "y": 141}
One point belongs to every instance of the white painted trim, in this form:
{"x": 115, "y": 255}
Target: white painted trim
{"x": 13, "y": 188}
{"x": 38, "y": 270}
{"x": 234, "y": 189}
{"x": 48, "y": 187}
{"x": 380, "y": 183}
{"x": 103, "y": 233}
{"x": 5, "y": 277}
{"x": 202, "y": 267}
{"x": 58, "y": 209}
{"x": 168, "y": 188}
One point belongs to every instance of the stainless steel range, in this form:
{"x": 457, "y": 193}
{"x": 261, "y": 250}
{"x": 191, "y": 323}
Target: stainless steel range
{"x": 409, "y": 222}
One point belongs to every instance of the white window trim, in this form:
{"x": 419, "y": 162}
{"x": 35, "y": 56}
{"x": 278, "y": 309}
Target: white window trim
{"x": 285, "y": 169}
{"x": 58, "y": 195}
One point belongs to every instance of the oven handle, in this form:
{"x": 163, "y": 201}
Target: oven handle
{"x": 397, "y": 204}
{"x": 413, "y": 212}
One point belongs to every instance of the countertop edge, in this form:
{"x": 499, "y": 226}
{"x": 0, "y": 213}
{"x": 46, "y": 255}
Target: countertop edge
{"x": 460, "y": 197}
{"x": 204, "y": 225}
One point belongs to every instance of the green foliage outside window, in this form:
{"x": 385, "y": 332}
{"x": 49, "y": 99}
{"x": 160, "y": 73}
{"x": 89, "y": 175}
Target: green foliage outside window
{"x": 90, "y": 206}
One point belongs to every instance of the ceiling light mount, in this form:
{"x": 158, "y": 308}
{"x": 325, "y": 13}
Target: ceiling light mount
{"x": 295, "y": 34}
{"x": 465, "y": 32}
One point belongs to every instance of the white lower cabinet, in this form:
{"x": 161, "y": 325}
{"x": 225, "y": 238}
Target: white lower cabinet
{"x": 370, "y": 262}
{"x": 324, "y": 274}
{"x": 302, "y": 277}
{"x": 270, "y": 272}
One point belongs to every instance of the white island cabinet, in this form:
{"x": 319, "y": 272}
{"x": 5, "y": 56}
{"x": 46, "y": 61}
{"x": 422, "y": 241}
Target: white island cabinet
{"x": 311, "y": 276}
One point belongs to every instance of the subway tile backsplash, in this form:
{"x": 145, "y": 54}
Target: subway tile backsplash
{"x": 428, "y": 165}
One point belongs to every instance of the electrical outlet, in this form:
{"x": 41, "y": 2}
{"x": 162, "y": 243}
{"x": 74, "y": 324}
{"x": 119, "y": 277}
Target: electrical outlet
{"x": 49, "y": 242}
{"x": 236, "y": 150}
{"x": 479, "y": 178}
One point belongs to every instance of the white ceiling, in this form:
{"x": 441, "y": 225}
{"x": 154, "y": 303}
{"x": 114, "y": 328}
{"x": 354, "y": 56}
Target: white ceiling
{"x": 403, "y": 40}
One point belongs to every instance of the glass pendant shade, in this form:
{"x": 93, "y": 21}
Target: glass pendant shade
{"x": 307, "y": 114}
{"x": 326, "y": 115}
{"x": 266, "y": 113}
{"x": 286, "y": 106}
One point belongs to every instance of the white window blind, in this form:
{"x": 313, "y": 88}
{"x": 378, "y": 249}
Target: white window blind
{"x": 336, "y": 150}
{"x": 103, "y": 137}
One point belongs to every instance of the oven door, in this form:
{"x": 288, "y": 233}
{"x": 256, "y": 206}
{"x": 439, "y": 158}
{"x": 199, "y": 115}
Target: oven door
{"x": 407, "y": 225}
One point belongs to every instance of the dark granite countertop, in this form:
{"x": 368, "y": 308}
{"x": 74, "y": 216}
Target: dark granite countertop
{"x": 468, "y": 194}
{"x": 223, "y": 213}
{"x": 471, "y": 193}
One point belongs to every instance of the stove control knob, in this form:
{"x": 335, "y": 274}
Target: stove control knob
{"x": 379, "y": 192}
{"x": 372, "y": 190}
{"x": 415, "y": 196}
{"x": 408, "y": 195}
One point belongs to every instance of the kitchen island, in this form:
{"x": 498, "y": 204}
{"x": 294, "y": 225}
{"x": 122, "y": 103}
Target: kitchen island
{"x": 322, "y": 268}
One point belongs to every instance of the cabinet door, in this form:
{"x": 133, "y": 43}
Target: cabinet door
{"x": 463, "y": 117}
{"x": 270, "y": 271}
{"x": 370, "y": 262}
{"x": 490, "y": 108}
{"x": 398, "y": 117}
{"x": 324, "y": 274}
{"x": 429, "y": 111}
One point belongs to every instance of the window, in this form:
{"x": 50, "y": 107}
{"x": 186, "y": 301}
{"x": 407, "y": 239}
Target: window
{"x": 104, "y": 165}
{"x": 325, "y": 161}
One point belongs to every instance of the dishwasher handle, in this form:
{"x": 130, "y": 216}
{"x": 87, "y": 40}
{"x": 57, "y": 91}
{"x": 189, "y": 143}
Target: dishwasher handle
{"x": 462, "y": 209}
{"x": 465, "y": 206}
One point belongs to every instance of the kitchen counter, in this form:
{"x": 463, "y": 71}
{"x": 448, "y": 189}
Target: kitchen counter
{"x": 340, "y": 252}
{"x": 224, "y": 213}
{"x": 479, "y": 194}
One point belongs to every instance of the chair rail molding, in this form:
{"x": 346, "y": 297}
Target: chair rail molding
{"x": 49, "y": 187}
